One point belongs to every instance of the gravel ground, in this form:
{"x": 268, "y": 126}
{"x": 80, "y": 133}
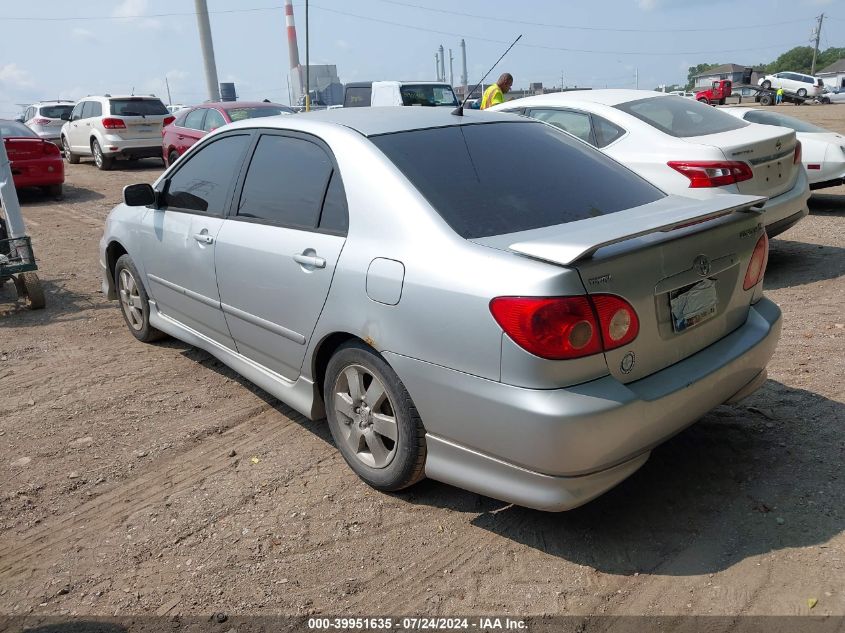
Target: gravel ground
{"x": 152, "y": 479}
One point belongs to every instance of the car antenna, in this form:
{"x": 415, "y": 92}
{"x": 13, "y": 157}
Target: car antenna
{"x": 459, "y": 111}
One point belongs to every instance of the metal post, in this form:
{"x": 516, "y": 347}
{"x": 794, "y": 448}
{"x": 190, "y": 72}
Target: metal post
{"x": 15, "y": 226}
{"x": 441, "y": 75}
{"x": 207, "y": 50}
{"x": 167, "y": 83}
{"x": 816, "y": 47}
{"x": 307, "y": 64}
{"x": 464, "y": 67}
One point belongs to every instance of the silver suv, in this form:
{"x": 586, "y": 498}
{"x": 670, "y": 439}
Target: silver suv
{"x": 110, "y": 127}
{"x": 46, "y": 118}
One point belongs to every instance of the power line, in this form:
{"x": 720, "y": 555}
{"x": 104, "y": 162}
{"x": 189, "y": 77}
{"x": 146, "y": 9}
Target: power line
{"x": 583, "y": 28}
{"x": 132, "y": 17}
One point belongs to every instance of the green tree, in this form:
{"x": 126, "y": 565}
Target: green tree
{"x": 797, "y": 60}
{"x": 827, "y": 57}
{"x": 697, "y": 70}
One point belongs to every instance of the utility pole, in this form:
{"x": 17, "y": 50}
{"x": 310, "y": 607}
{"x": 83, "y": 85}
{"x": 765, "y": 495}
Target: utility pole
{"x": 816, "y": 47}
{"x": 307, "y": 65}
{"x": 207, "y": 50}
{"x": 167, "y": 83}
{"x": 441, "y": 75}
{"x": 561, "y": 80}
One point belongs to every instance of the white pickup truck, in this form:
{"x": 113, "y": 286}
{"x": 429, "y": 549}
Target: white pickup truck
{"x": 398, "y": 93}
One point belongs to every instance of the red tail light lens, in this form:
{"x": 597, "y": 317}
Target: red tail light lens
{"x": 50, "y": 149}
{"x": 757, "y": 265}
{"x": 796, "y": 159}
{"x": 712, "y": 173}
{"x": 550, "y": 327}
{"x": 618, "y": 320}
{"x": 114, "y": 124}
{"x": 561, "y": 328}
{"x": 41, "y": 121}
{"x": 168, "y": 120}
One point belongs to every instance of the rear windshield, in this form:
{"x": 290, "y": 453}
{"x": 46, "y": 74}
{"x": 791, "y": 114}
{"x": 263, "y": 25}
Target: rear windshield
{"x": 771, "y": 118}
{"x": 497, "y": 178}
{"x": 55, "y": 111}
{"x": 13, "y": 128}
{"x": 681, "y": 117}
{"x": 357, "y": 96}
{"x": 137, "y": 107}
{"x": 239, "y": 114}
{"x": 428, "y": 95}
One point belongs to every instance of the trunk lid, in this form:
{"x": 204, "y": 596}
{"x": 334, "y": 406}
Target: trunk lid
{"x": 679, "y": 263}
{"x": 23, "y": 148}
{"x": 769, "y": 151}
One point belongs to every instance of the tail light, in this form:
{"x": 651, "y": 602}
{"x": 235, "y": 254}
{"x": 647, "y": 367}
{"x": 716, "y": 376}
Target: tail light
{"x": 50, "y": 149}
{"x": 712, "y": 173}
{"x": 560, "y": 328}
{"x": 114, "y": 124}
{"x": 41, "y": 121}
{"x": 796, "y": 159}
{"x": 757, "y": 265}
{"x": 168, "y": 120}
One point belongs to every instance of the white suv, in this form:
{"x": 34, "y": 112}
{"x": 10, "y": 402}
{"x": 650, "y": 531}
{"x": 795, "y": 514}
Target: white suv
{"x": 798, "y": 83}
{"x": 110, "y": 127}
{"x": 46, "y": 118}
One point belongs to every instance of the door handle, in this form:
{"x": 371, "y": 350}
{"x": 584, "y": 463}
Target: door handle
{"x": 309, "y": 260}
{"x": 205, "y": 238}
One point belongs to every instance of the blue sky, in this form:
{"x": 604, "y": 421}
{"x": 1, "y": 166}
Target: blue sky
{"x": 107, "y": 48}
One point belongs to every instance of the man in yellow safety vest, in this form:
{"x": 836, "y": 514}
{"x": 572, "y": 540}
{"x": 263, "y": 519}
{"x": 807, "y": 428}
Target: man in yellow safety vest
{"x": 496, "y": 93}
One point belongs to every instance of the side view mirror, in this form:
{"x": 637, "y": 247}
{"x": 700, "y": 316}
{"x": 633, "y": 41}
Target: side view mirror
{"x": 140, "y": 195}
{"x": 65, "y": 116}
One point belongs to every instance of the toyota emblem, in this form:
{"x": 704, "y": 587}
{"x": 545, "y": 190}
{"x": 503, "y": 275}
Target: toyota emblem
{"x": 702, "y": 265}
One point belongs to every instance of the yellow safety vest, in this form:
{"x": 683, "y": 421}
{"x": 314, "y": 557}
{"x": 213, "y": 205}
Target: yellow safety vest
{"x": 492, "y": 96}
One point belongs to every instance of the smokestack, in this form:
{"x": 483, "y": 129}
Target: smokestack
{"x": 464, "y": 66}
{"x": 442, "y": 75}
{"x": 451, "y": 70}
{"x": 293, "y": 49}
{"x": 207, "y": 49}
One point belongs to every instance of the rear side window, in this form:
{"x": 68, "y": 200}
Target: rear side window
{"x": 137, "y": 107}
{"x": 204, "y": 182}
{"x": 576, "y": 123}
{"x": 681, "y": 117}
{"x": 91, "y": 109}
{"x": 773, "y": 118}
{"x": 497, "y": 178}
{"x": 605, "y": 131}
{"x": 194, "y": 119}
{"x": 213, "y": 120}
{"x": 334, "y": 216}
{"x": 286, "y": 182}
{"x": 357, "y": 96}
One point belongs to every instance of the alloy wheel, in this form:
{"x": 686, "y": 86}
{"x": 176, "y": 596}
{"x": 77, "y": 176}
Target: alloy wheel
{"x": 366, "y": 415}
{"x": 130, "y": 300}
{"x": 98, "y": 154}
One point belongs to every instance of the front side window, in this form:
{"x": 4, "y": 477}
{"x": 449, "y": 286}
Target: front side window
{"x": 76, "y": 114}
{"x": 286, "y": 182}
{"x": 576, "y": 123}
{"x": 213, "y": 120}
{"x": 357, "y": 96}
{"x": 204, "y": 182}
{"x": 549, "y": 178}
{"x": 680, "y": 117}
{"x": 194, "y": 120}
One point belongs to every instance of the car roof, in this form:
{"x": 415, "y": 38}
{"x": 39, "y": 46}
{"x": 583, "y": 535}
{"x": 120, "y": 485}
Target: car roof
{"x": 604, "y": 96}
{"x": 372, "y": 121}
{"x": 59, "y": 102}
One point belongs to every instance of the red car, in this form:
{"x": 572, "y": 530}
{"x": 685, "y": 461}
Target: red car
{"x": 194, "y": 123}
{"x": 34, "y": 161}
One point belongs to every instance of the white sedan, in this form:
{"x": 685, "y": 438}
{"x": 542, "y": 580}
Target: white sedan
{"x": 683, "y": 146}
{"x": 823, "y": 151}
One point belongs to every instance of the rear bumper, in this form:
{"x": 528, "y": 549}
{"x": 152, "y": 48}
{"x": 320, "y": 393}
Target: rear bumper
{"x": 557, "y": 449}
{"x": 131, "y": 148}
{"x": 38, "y": 173}
{"x": 783, "y": 211}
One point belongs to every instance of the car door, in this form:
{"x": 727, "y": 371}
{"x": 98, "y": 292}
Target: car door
{"x": 74, "y": 131}
{"x": 178, "y": 241}
{"x": 277, "y": 251}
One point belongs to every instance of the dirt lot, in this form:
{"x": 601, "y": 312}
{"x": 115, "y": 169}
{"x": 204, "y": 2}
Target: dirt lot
{"x": 150, "y": 478}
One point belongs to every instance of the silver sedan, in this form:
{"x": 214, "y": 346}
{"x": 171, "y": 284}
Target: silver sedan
{"x": 480, "y": 299}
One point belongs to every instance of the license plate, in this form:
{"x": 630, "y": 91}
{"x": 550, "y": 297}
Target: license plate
{"x": 693, "y": 304}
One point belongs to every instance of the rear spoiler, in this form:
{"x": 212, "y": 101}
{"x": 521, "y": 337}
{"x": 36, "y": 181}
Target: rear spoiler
{"x": 567, "y": 243}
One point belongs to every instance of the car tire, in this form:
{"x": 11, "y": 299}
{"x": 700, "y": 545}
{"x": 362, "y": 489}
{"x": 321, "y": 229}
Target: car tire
{"x": 70, "y": 157}
{"x": 766, "y": 100}
{"x": 766, "y": 85}
{"x": 54, "y": 191}
{"x": 366, "y": 404}
{"x": 801, "y": 92}
{"x": 721, "y": 102}
{"x": 704, "y": 101}
{"x": 172, "y": 157}
{"x": 134, "y": 301}
{"x": 103, "y": 162}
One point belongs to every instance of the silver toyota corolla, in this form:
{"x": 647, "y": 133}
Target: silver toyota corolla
{"x": 480, "y": 299}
